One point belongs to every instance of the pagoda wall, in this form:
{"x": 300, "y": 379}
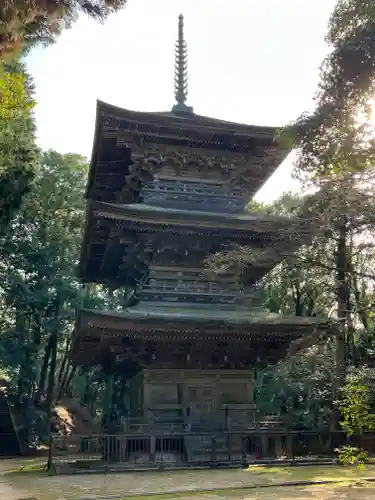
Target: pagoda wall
{"x": 201, "y": 397}
{"x": 192, "y": 178}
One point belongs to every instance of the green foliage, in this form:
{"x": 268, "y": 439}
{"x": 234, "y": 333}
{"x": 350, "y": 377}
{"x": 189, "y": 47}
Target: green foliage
{"x": 256, "y": 207}
{"x": 18, "y": 153}
{"x": 337, "y": 138}
{"x": 305, "y": 284}
{"x": 357, "y": 415}
{"x": 299, "y": 387}
{"x": 39, "y": 289}
{"x": 355, "y": 407}
{"x": 40, "y": 255}
{"x": 24, "y": 23}
{"x": 351, "y": 455}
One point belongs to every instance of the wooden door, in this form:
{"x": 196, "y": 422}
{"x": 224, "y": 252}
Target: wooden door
{"x": 202, "y": 405}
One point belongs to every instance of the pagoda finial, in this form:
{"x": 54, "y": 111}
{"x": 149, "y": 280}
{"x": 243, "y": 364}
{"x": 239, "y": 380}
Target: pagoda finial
{"x": 181, "y": 71}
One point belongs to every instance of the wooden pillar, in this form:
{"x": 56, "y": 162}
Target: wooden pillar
{"x": 152, "y": 448}
{"x": 278, "y": 447}
{"x": 227, "y": 419}
{"x": 289, "y": 446}
{"x": 244, "y": 442}
{"x": 213, "y": 450}
{"x": 188, "y": 418}
{"x": 229, "y": 447}
{"x": 264, "y": 445}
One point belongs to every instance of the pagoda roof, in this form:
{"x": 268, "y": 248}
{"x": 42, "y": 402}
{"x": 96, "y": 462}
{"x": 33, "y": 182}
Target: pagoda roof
{"x": 121, "y": 132}
{"x": 204, "y": 124}
{"x": 204, "y": 316}
{"x": 97, "y": 331}
{"x": 283, "y": 233}
{"x": 141, "y": 212}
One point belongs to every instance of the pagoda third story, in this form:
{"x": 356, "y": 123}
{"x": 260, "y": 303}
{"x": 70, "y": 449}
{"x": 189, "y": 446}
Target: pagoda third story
{"x": 165, "y": 191}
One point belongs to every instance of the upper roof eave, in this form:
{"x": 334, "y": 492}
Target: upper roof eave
{"x": 186, "y": 119}
{"x": 198, "y": 123}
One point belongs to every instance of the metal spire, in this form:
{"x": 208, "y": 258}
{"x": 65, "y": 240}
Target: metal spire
{"x": 181, "y": 70}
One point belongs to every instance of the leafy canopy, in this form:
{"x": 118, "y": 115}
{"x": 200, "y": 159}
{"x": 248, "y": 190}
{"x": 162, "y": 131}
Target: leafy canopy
{"x": 18, "y": 153}
{"x": 24, "y": 23}
{"x": 338, "y": 136}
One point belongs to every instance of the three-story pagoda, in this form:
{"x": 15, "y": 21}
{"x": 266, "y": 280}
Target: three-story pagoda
{"x": 165, "y": 191}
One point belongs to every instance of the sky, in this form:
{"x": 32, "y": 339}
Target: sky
{"x": 250, "y": 61}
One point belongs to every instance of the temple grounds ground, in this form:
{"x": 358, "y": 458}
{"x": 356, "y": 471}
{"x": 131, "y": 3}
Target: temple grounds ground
{"x": 24, "y": 479}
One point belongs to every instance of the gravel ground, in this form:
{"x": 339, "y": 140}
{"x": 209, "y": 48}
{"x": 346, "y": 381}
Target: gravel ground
{"x": 18, "y": 486}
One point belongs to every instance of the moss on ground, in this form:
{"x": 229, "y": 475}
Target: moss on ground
{"x": 27, "y": 465}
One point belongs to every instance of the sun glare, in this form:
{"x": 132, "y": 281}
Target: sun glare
{"x": 367, "y": 114}
{"x": 365, "y": 122}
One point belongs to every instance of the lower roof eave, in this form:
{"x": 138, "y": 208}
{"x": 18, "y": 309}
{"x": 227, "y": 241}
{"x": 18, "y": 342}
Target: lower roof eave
{"x": 215, "y": 323}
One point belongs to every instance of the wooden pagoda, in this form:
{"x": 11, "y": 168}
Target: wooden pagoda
{"x": 165, "y": 191}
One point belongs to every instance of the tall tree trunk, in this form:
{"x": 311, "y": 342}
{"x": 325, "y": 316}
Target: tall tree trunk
{"x": 52, "y": 367}
{"x": 43, "y": 371}
{"x": 298, "y": 301}
{"x": 64, "y": 362}
{"x": 342, "y": 301}
{"x": 350, "y": 330}
{"x": 66, "y": 387}
{"x": 64, "y": 380}
{"x": 52, "y": 375}
{"x": 37, "y": 337}
{"x": 361, "y": 308}
{"x": 23, "y": 331}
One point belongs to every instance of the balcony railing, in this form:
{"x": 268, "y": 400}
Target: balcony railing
{"x": 142, "y": 451}
{"x": 224, "y": 419}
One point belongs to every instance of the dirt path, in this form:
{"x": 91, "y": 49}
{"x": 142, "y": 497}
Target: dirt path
{"x": 10, "y": 493}
{"x": 26, "y": 485}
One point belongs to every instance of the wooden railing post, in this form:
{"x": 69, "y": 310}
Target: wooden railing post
{"x": 50, "y": 467}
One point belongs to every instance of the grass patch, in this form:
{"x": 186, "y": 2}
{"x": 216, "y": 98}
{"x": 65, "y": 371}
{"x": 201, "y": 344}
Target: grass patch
{"x": 311, "y": 473}
{"x": 27, "y": 466}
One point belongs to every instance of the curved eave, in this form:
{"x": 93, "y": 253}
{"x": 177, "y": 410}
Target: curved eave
{"x": 121, "y": 321}
{"x": 201, "y": 126}
{"x": 96, "y": 331}
{"x": 169, "y": 216}
{"x": 198, "y": 122}
{"x": 151, "y": 218}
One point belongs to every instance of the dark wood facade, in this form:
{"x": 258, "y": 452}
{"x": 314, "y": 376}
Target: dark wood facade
{"x": 165, "y": 192}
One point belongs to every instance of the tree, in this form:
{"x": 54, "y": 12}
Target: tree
{"x": 40, "y": 255}
{"x": 300, "y": 388}
{"x": 338, "y": 137}
{"x": 40, "y": 292}
{"x": 329, "y": 276}
{"x": 18, "y": 153}
{"x": 355, "y": 406}
{"x": 357, "y": 414}
{"x": 28, "y": 22}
